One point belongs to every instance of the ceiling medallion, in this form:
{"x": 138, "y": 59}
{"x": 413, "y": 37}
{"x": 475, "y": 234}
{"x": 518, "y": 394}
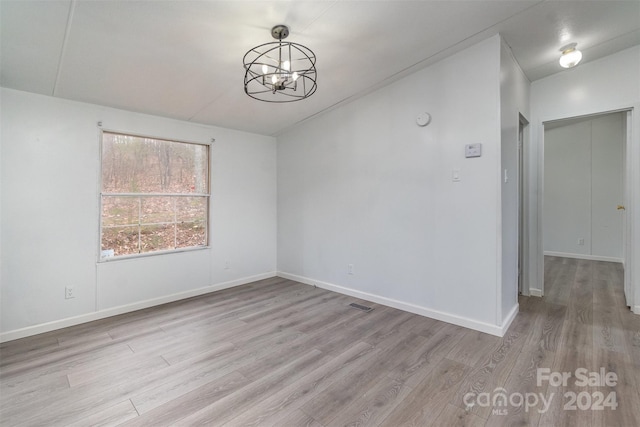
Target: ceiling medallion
{"x": 280, "y": 71}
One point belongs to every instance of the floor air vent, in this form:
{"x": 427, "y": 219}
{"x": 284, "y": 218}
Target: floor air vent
{"x": 360, "y": 307}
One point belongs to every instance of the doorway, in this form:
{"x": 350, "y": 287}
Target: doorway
{"x": 583, "y": 215}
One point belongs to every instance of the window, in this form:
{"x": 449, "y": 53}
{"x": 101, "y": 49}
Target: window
{"x": 154, "y": 196}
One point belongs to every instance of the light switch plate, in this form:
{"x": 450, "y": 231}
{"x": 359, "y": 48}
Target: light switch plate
{"x": 473, "y": 150}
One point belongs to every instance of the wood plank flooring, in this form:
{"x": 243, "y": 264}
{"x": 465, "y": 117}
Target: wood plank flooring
{"x": 280, "y": 353}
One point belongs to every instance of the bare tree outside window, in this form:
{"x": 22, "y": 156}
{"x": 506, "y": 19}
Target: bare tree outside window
{"x": 155, "y": 195}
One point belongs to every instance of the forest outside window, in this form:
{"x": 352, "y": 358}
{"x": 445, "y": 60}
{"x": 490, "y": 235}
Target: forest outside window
{"x": 155, "y": 195}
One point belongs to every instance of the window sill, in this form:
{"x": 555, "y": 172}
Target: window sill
{"x": 151, "y": 254}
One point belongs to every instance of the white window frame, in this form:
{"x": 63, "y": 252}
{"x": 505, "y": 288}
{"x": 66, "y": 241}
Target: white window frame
{"x": 140, "y": 196}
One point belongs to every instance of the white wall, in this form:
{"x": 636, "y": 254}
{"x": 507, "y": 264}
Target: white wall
{"x": 364, "y": 185}
{"x": 567, "y": 189}
{"x": 607, "y": 84}
{"x": 583, "y": 174}
{"x": 514, "y": 101}
{"x": 49, "y": 195}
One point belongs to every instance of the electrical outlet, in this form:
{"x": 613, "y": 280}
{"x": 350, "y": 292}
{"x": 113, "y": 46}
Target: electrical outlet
{"x": 581, "y": 241}
{"x": 69, "y": 292}
{"x": 227, "y": 265}
{"x": 350, "y": 269}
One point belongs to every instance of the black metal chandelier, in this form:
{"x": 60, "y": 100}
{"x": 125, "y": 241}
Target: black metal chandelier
{"x": 280, "y": 71}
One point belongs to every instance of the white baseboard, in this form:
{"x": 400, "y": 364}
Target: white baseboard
{"x": 636, "y": 309}
{"x": 114, "y": 311}
{"x": 535, "y": 292}
{"x": 510, "y": 318}
{"x": 583, "y": 256}
{"x": 411, "y": 308}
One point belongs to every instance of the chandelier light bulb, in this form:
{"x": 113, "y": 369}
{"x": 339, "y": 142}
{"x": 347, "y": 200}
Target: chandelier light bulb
{"x": 287, "y": 65}
{"x": 274, "y": 79}
{"x": 570, "y": 56}
{"x": 265, "y": 69}
{"x": 295, "y": 76}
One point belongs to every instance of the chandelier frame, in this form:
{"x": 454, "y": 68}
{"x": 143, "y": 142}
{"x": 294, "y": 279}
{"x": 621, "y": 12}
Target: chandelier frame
{"x": 280, "y": 71}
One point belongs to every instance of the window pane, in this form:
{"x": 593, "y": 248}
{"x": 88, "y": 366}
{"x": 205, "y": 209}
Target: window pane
{"x": 157, "y": 237}
{"x": 191, "y": 234}
{"x": 119, "y": 210}
{"x": 191, "y": 215}
{"x": 191, "y": 208}
{"x": 120, "y": 240}
{"x": 157, "y": 209}
{"x": 133, "y": 164}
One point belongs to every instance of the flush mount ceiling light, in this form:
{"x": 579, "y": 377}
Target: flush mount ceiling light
{"x": 280, "y": 71}
{"x": 570, "y": 56}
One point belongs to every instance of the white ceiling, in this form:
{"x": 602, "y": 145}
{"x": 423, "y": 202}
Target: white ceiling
{"x": 183, "y": 59}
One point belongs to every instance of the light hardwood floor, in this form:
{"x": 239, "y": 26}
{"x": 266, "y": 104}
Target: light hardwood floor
{"x": 279, "y": 353}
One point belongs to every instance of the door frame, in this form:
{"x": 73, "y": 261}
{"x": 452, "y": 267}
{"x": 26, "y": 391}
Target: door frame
{"x": 523, "y": 243}
{"x": 631, "y": 200}
{"x": 631, "y": 223}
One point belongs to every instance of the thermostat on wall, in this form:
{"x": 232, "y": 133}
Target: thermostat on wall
{"x": 473, "y": 150}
